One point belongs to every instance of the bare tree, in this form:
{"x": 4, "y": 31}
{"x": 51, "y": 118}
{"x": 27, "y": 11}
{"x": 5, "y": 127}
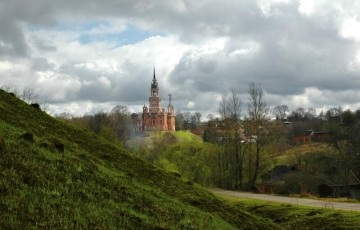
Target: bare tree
{"x": 119, "y": 119}
{"x": 186, "y": 120}
{"x": 258, "y": 115}
{"x": 210, "y": 116}
{"x": 179, "y": 121}
{"x": 230, "y": 111}
{"x": 29, "y": 95}
{"x": 297, "y": 115}
{"x": 198, "y": 117}
{"x": 10, "y": 89}
{"x": 222, "y": 107}
{"x": 334, "y": 114}
{"x": 65, "y": 116}
{"x": 280, "y": 112}
{"x": 230, "y": 106}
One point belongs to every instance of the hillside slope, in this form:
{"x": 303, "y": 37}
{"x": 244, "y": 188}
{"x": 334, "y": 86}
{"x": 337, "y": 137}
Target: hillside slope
{"x": 53, "y": 175}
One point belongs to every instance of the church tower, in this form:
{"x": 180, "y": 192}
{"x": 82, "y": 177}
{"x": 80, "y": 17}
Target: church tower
{"x": 154, "y": 99}
{"x": 155, "y": 117}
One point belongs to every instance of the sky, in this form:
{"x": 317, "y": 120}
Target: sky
{"x": 87, "y": 56}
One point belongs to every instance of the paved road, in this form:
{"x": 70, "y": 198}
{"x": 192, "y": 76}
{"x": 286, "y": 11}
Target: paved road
{"x": 292, "y": 200}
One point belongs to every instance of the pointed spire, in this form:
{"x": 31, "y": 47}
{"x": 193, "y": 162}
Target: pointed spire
{"x": 154, "y": 83}
{"x": 170, "y": 97}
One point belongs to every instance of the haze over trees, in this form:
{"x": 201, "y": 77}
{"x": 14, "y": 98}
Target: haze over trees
{"x": 114, "y": 125}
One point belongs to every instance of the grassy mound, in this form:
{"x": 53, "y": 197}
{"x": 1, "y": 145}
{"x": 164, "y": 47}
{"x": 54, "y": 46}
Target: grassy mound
{"x": 187, "y": 136}
{"x": 53, "y": 175}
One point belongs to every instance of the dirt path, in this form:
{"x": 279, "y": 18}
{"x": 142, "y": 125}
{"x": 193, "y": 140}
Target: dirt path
{"x": 292, "y": 200}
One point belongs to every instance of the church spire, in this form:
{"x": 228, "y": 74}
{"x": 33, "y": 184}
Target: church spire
{"x": 154, "y": 84}
{"x": 170, "y": 97}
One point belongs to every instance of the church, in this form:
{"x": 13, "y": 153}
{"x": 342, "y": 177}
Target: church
{"x": 154, "y": 117}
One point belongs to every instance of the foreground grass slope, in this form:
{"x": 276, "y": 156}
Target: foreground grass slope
{"x": 53, "y": 175}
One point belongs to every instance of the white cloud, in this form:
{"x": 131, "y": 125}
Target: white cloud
{"x": 350, "y": 28}
{"x": 191, "y": 105}
{"x": 269, "y": 7}
{"x": 307, "y": 7}
{"x": 6, "y": 66}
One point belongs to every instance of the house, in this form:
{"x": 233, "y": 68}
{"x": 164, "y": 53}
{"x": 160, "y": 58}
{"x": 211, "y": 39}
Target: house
{"x": 311, "y": 136}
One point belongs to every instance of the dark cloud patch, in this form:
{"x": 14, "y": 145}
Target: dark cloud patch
{"x": 13, "y": 15}
{"x": 295, "y": 52}
{"x": 12, "y": 42}
{"x": 43, "y": 45}
{"x": 41, "y": 64}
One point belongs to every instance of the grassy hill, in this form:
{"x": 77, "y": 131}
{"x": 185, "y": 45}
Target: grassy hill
{"x": 148, "y": 138}
{"x": 56, "y": 176}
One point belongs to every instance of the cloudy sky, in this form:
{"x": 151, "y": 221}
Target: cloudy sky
{"x": 85, "y": 56}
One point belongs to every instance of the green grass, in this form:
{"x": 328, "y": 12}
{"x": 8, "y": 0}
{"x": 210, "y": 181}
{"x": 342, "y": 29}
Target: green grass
{"x": 62, "y": 177}
{"x": 187, "y": 136}
{"x": 151, "y": 137}
{"x": 298, "y": 217}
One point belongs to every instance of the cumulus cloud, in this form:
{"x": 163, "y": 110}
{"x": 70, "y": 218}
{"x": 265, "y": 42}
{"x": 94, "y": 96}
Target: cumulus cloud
{"x": 84, "y": 55}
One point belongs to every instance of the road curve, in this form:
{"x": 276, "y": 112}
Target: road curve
{"x": 291, "y": 200}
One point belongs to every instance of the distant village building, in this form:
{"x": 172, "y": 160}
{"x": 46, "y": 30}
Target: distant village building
{"x": 154, "y": 117}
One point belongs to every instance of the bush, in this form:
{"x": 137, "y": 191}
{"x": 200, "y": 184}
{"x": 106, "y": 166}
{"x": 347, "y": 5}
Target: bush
{"x": 53, "y": 144}
{"x": 2, "y": 144}
{"x": 325, "y": 190}
{"x": 27, "y": 137}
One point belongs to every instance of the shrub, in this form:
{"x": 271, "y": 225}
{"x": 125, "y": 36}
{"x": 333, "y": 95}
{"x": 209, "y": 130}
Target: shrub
{"x": 35, "y": 105}
{"x": 58, "y": 145}
{"x": 2, "y": 144}
{"x": 325, "y": 190}
{"x": 27, "y": 137}
{"x": 53, "y": 144}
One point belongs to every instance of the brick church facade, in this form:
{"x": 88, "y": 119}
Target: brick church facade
{"x": 154, "y": 117}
